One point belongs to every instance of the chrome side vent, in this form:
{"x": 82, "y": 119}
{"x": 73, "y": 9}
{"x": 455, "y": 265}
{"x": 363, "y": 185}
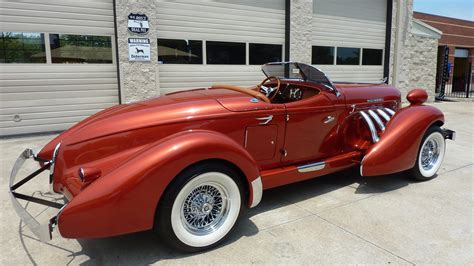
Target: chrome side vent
{"x": 372, "y": 117}
{"x": 390, "y": 111}
{"x": 377, "y": 119}
{"x": 370, "y": 124}
{"x": 383, "y": 114}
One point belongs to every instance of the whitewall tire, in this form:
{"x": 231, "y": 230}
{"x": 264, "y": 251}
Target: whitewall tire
{"x": 201, "y": 208}
{"x": 430, "y": 155}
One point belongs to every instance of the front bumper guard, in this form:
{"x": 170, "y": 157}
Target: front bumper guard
{"x": 42, "y": 231}
{"x": 449, "y": 134}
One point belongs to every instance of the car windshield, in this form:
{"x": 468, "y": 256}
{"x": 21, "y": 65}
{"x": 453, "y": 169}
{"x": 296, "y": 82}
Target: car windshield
{"x": 293, "y": 70}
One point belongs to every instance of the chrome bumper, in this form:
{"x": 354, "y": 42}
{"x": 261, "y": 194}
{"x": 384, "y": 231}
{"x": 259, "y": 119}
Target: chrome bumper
{"x": 42, "y": 231}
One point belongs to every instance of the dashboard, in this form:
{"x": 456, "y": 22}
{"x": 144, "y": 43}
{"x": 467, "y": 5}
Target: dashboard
{"x": 292, "y": 93}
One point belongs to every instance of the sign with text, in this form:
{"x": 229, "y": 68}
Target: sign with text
{"x": 138, "y": 49}
{"x": 138, "y": 23}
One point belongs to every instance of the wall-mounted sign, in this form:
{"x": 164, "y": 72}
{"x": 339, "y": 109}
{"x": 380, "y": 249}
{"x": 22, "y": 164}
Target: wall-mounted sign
{"x": 138, "y": 23}
{"x": 138, "y": 49}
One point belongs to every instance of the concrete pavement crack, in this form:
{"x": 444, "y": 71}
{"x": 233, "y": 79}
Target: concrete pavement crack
{"x": 455, "y": 169}
{"x": 366, "y": 240}
{"x": 352, "y": 233}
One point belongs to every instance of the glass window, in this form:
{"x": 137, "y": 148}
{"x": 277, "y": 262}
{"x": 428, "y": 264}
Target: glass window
{"x": 348, "y": 56}
{"x": 179, "y": 51}
{"x": 260, "y": 54}
{"x": 80, "y": 49}
{"x": 226, "y": 53}
{"x": 322, "y": 55}
{"x": 372, "y": 57}
{"x": 22, "y": 47}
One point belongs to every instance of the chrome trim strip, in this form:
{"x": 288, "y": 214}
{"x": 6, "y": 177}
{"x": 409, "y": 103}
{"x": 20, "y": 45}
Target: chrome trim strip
{"x": 257, "y": 191}
{"x": 265, "y": 120}
{"x": 311, "y": 167}
{"x": 383, "y": 114}
{"x": 362, "y": 167}
{"x": 390, "y": 111}
{"x": 51, "y": 168}
{"x": 42, "y": 231}
{"x": 377, "y": 120}
{"x": 53, "y": 160}
{"x": 370, "y": 124}
{"x": 328, "y": 119}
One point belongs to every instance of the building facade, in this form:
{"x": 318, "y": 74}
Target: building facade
{"x": 62, "y": 61}
{"x": 457, "y": 46}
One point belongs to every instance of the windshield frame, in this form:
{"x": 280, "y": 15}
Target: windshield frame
{"x": 299, "y": 71}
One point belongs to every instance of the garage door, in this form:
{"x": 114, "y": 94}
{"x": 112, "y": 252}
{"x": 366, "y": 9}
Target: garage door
{"x": 349, "y": 39}
{"x": 57, "y": 63}
{"x": 205, "y": 42}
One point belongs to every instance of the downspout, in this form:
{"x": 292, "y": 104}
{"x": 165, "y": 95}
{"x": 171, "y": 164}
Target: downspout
{"x": 388, "y": 40}
{"x": 396, "y": 50}
{"x": 117, "y": 59}
{"x": 287, "y": 29}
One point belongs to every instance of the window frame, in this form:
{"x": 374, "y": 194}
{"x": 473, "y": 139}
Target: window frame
{"x": 203, "y": 48}
{"x": 246, "y": 54}
{"x": 112, "y": 48}
{"x": 44, "y": 35}
{"x": 48, "y": 50}
{"x": 359, "y": 55}
{"x": 382, "y": 56}
{"x": 255, "y": 43}
{"x": 334, "y": 57}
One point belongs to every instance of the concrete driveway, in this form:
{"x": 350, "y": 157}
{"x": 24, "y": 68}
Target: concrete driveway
{"x": 341, "y": 218}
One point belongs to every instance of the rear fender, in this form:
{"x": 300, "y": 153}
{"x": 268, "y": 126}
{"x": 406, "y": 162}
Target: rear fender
{"x": 398, "y": 146}
{"x": 125, "y": 200}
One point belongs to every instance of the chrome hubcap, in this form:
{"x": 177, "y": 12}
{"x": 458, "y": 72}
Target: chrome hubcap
{"x": 205, "y": 208}
{"x": 430, "y": 154}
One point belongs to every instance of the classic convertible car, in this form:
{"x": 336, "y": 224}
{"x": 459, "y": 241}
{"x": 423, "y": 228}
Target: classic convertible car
{"x": 185, "y": 164}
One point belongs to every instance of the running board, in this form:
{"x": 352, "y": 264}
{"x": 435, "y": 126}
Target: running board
{"x": 289, "y": 174}
{"x": 311, "y": 167}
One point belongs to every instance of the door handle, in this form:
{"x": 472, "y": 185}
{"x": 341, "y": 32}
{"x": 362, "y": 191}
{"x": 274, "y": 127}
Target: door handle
{"x": 265, "y": 120}
{"x": 328, "y": 119}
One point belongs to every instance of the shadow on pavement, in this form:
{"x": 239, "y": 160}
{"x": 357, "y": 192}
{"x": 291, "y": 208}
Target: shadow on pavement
{"x": 146, "y": 248}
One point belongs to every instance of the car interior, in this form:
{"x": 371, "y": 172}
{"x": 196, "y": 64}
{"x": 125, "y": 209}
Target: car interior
{"x": 274, "y": 90}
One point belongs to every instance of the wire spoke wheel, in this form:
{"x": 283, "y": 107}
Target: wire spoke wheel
{"x": 431, "y": 155}
{"x": 205, "y": 208}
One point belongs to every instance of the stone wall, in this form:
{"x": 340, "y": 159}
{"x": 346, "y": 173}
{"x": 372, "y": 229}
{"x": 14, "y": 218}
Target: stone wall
{"x": 422, "y": 60}
{"x": 138, "y": 80}
{"x": 300, "y": 30}
{"x": 400, "y": 52}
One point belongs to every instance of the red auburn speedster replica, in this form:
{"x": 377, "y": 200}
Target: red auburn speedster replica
{"x": 186, "y": 164}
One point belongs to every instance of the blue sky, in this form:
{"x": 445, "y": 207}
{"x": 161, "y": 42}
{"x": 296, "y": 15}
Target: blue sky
{"x": 463, "y": 9}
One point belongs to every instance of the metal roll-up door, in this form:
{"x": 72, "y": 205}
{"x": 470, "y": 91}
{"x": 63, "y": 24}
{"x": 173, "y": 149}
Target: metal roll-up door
{"x": 53, "y": 87}
{"x": 351, "y": 24}
{"x": 238, "y": 21}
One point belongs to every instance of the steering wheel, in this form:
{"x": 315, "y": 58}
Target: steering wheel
{"x": 269, "y": 90}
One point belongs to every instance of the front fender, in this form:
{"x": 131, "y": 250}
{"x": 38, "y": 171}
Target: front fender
{"x": 398, "y": 146}
{"x": 125, "y": 200}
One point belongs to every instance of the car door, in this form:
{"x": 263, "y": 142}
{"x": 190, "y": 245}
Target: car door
{"x": 309, "y": 123}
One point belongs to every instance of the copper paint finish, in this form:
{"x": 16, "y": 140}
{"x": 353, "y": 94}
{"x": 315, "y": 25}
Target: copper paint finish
{"x": 139, "y": 148}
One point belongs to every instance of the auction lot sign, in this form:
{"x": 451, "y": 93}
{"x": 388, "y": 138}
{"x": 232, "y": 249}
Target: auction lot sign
{"x": 138, "y": 49}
